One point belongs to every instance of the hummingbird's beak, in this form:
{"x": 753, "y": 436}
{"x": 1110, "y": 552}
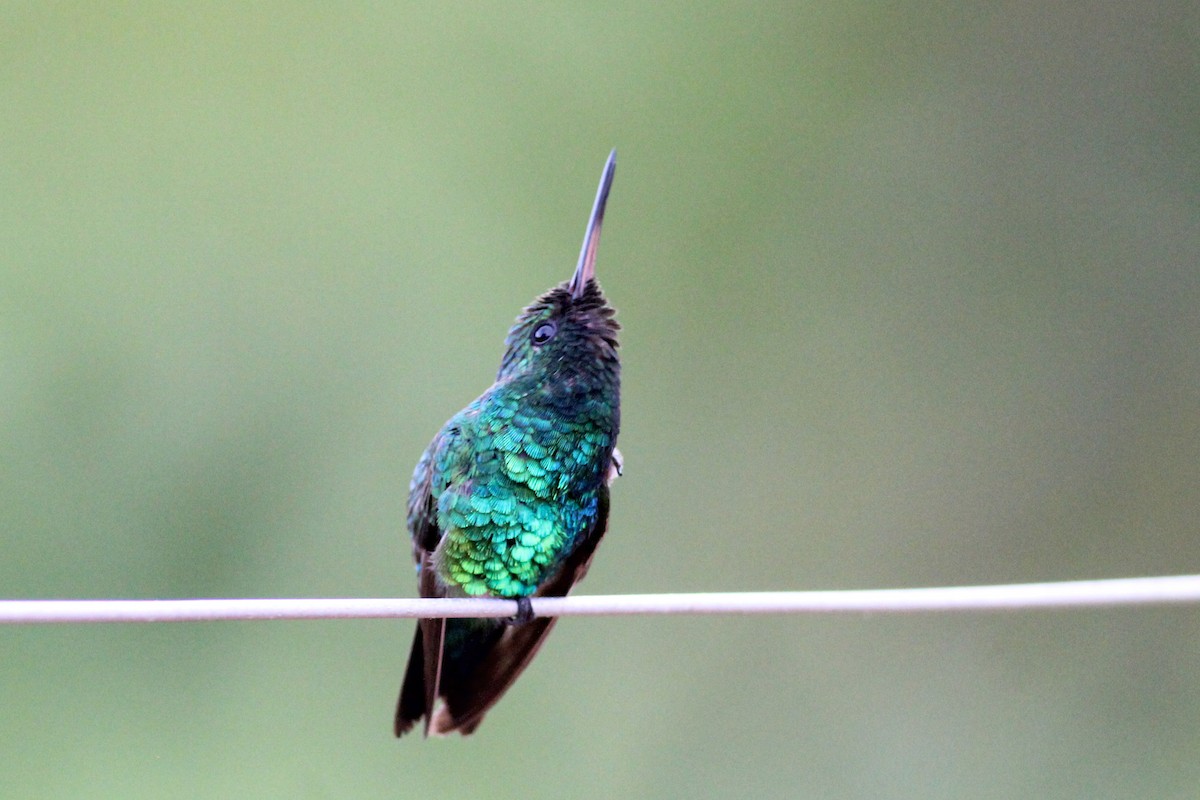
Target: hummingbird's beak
{"x": 586, "y": 269}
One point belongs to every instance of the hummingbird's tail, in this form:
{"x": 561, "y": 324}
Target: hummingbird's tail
{"x": 477, "y": 661}
{"x": 477, "y": 677}
{"x": 412, "y": 694}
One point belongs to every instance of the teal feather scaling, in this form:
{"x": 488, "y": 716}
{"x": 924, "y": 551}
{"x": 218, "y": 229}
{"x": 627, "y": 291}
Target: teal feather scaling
{"x": 511, "y": 497}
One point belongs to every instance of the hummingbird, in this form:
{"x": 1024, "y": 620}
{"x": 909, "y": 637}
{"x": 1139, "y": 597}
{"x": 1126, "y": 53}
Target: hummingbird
{"x": 511, "y": 497}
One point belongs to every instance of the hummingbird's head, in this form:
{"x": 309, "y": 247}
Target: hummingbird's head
{"x": 564, "y": 338}
{"x": 567, "y": 337}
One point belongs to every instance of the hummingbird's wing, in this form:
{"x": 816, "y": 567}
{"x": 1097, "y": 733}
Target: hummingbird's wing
{"x": 422, "y": 677}
{"x": 422, "y": 512}
{"x": 469, "y": 696}
{"x": 420, "y": 688}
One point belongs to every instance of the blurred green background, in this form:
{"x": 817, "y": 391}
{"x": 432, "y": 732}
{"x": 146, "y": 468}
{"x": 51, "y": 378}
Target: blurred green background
{"x": 910, "y": 297}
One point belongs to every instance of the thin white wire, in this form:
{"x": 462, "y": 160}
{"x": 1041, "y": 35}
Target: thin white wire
{"x": 1166, "y": 590}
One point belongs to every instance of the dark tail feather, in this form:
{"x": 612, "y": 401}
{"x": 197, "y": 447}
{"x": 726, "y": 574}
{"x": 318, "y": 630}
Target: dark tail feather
{"x": 475, "y": 690}
{"x": 433, "y": 642}
{"x": 421, "y": 678}
{"x": 486, "y": 658}
{"x": 412, "y": 694}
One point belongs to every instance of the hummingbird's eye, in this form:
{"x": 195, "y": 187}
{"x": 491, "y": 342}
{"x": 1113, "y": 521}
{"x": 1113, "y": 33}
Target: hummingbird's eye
{"x": 544, "y": 333}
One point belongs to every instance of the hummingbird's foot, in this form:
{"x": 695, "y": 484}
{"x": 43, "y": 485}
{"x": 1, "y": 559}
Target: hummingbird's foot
{"x": 616, "y": 467}
{"x": 524, "y": 612}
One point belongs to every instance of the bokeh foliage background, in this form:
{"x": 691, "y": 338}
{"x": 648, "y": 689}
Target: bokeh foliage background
{"x": 910, "y": 296}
